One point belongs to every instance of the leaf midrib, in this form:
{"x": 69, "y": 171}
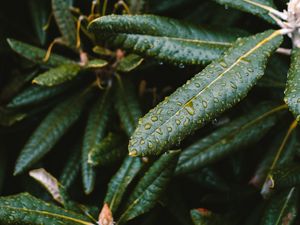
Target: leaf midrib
{"x": 240, "y": 59}
{"x": 54, "y": 215}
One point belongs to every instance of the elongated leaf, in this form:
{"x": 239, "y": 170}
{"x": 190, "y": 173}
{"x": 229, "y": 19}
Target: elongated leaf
{"x": 26, "y": 209}
{"x": 288, "y": 149}
{"x": 218, "y": 87}
{"x": 36, "y": 94}
{"x": 94, "y": 133}
{"x": 96, "y": 63}
{"x": 282, "y": 209}
{"x": 71, "y": 169}
{"x": 36, "y": 54}
{"x": 129, "y": 63}
{"x": 120, "y": 181}
{"x": 246, "y": 6}
{"x": 65, "y": 22}
{"x": 127, "y": 105}
{"x": 113, "y": 147}
{"x": 39, "y": 15}
{"x": 165, "y": 39}
{"x": 57, "y": 75}
{"x": 241, "y": 132}
{"x": 150, "y": 187}
{"x": 55, "y": 124}
{"x": 292, "y": 91}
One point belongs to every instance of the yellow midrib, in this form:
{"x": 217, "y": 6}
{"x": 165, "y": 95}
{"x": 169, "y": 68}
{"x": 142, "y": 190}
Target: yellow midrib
{"x": 273, "y": 35}
{"x": 54, "y": 215}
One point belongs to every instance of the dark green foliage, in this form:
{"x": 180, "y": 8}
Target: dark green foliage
{"x": 292, "y": 96}
{"x": 211, "y": 77}
{"x": 36, "y": 54}
{"x": 120, "y": 181}
{"x": 26, "y": 209}
{"x": 94, "y": 133}
{"x": 219, "y": 86}
{"x": 162, "y": 40}
{"x": 150, "y": 187}
{"x": 239, "y": 133}
{"x": 56, "y": 123}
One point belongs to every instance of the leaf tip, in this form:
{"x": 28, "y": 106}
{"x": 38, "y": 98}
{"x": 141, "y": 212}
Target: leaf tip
{"x": 133, "y": 153}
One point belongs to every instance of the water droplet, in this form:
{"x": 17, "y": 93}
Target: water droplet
{"x": 178, "y": 122}
{"x": 215, "y": 121}
{"x": 158, "y": 130}
{"x": 154, "y": 118}
{"x": 216, "y": 100}
{"x": 181, "y": 65}
{"x": 142, "y": 142}
{"x": 204, "y": 103}
{"x": 150, "y": 145}
{"x": 223, "y": 64}
{"x": 197, "y": 85}
{"x": 169, "y": 129}
{"x": 160, "y": 63}
{"x": 190, "y": 108}
{"x": 148, "y": 126}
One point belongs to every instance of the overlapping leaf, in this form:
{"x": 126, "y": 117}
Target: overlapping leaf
{"x": 164, "y": 39}
{"x": 241, "y": 132}
{"x": 65, "y": 22}
{"x": 282, "y": 209}
{"x": 120, "y": 181}
{"x": 251, "y": 6}
{"x": 94, "y": 132}
{"x": 57, "y": 75}
{"x": 56, "y": 123}
{"x": 218, "y": 87}
{"x": 26, "y": 209}
{"x": 127, "y": 105}
{"x": 112, "y": 148}
{"x": 129, "y": 63}
{"x": 36, "y": 54}
{"x": 150, "y": 187}
{"x": 292, "y": 91}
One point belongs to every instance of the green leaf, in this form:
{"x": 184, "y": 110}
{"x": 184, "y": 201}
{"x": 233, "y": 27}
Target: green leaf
{"x": 292, "y": 91}
{"x": 280, "y": 144}
{"x": 36, "y": 54}
{"x": 127, "y": 105}
{"x": 241, "y": 132}
{"x": 251, "y": 6}
{"x": 96, "y": 63}
{"x": 39, "y": 15}
{"x": 8, "y": 118}
{"x": 282, "y": 209}
{"x": 120, "y": 181}
{"x": 218, "y": 87}
{"x": 112, "y": 148}
{"x": 71, "y": 168}
{"x": 48, "y": 133}
{"x": 129, "y": 63}
{"x": 95, "y": 131}
{"x": 136, "y": 6}
{"x": 65, "y": 22}
{"x": 36, "y": 94}
{"x": 57, "y": 75}
{"x": 150, "y": 187}
{"x": 26, "y": 209}
{"x": 165, "y": 39}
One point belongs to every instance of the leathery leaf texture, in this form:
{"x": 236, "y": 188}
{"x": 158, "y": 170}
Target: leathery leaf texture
{"x": 51, "y": 129}
{"x": 26, "y": 209}
{"x": 148, "y": 190}
{"x": 165, "y": 39}
{"x": 292, "y": 91}
{"x": 251, "y": 6}
{"x": 239, "y": 133}
{"x": 218, "y": 87}
{"x": 120, "y": 181}
{"x": 94, "y": 132}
